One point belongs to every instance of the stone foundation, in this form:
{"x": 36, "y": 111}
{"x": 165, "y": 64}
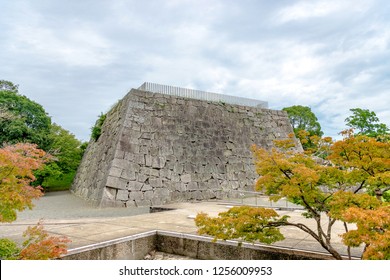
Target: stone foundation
{"x": 157, "y": 148}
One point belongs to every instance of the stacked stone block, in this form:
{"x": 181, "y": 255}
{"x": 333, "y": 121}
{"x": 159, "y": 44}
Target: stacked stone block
{"x": 156, "y": 148}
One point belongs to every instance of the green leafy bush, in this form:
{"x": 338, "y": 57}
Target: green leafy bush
{"x": 97, "y": 128}
{"x": 9, "y": 250}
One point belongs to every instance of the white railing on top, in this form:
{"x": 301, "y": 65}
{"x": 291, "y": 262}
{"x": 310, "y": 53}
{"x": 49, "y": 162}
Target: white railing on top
{"x": 202, "y": 95}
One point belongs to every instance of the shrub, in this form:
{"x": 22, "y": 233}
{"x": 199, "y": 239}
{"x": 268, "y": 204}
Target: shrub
{"x": 97, "y": 128}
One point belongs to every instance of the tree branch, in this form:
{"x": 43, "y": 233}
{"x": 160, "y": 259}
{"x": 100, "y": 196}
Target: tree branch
{"x": 327, "y": 247}
{"x": 329, "y": 231}
{"x": 349, "y": 247}
{"x": 360, "y": 187}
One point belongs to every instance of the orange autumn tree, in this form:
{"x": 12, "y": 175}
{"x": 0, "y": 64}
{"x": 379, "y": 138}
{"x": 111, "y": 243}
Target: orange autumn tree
{"x": 17, "y": 164}
{"x": 335, "y": 190}
{"x": 39, "y": 245}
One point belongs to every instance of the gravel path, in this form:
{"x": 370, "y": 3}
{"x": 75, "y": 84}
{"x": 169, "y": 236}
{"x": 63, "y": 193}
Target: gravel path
{"x": 65, "y": 205}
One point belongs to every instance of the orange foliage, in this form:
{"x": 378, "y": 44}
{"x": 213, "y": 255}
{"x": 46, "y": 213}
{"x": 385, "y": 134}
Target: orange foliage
{"x": 367, "y": 159}
{"x": 333, "y": 187}
{"x": 17, "y": 163}
{"x": 373, "y": 229}
{"x": 41, "y": 246}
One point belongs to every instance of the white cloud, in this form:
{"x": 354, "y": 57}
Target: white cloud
{"x": 304, "y": 10}
{"x": 329, "y": 55}
{"x": 81, "y": 46}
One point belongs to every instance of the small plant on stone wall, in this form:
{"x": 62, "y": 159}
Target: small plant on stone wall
{"x": 97, "y": 128}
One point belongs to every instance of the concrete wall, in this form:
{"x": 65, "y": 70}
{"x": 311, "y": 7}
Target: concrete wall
{"x": 129, "y": 248}
{"x": 193, "y": 246}
{"x": 155, "y": 149}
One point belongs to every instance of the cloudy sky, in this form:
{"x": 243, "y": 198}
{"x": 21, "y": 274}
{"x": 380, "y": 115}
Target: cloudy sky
{"x": 77, "y": 58}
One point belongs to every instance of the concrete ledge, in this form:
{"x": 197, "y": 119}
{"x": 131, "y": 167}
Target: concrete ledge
{"x": 201, "y": 247}
{"x": 133, "y": 247}
{"x": 136, "y": 247}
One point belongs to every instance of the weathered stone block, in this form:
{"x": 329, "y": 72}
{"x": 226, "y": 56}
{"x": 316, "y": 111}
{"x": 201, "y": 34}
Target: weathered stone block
{"x": 165, "y": 173}
{"x": 158, "y": 162}
{"x": 143, "y": 203}
{"x": 178, "y": 168}
{"x": 155, "y": 172}
{"x": 117, "y": 183}
{"x": 180, "y": 186}
{"x": 148, "y": 195}
{"x": 192, "y": 186}
{"x": 142, "y": 177}
{"x": 136, "y": 195}
{"x": 186, "y": 178}
{"x": 146, "y": 187}
{"x": 110, "y": 193}
{"x": 232, "y": 176}
{"x": 161, "y": 193}
{"x": 128, "y": 175}
{"x": 115, "y": 172}
{"x": 134, "y": 186}
{"x": 155, "y": 182}
{"x": 130, "y": 203}
{"x": 148, "y": 160}
{"x": 213, "y": 183}
{"x": 140, "y": 159}
{"x": 166, "y": 150}
{"x": 157, "y": 201}
{"x": 122, "y": 195}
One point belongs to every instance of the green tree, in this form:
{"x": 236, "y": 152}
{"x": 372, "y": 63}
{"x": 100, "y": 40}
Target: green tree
{"x": 67, "y": 152}
{"x": 305, "y": 125}
{"x": 66, "y": 148}
{"x": 302, "y": 118}
{"x": 8, "y": 86}
{"x": 365, "y": 122}
{"x": 21, "y": 119}
{"x": 329, "y": 193}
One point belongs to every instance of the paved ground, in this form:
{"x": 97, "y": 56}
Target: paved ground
{"x": 65, "y": 214}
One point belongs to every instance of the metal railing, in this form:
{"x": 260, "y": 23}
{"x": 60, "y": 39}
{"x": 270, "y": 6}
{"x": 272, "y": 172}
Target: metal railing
{"x": 202, "y": 95}
{"x": 252, "y": 198}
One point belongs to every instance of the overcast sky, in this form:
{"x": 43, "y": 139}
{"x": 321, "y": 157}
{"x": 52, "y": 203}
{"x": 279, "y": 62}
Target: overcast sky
{"x": 77, "y": 58}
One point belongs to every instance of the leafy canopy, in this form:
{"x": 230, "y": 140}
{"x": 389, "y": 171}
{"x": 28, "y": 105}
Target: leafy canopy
{"x": 305, "y": 125}
{"x": 302, "y": 118}
{"x": 365, "y": 122}
{"x": 245, "y": 223}
{"x": 21, "y": 119}
{"x": 330, "y": 191}
{"x": 67, "y": 152}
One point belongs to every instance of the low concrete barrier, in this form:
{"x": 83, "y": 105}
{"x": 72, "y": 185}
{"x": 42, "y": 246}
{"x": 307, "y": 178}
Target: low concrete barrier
{"x": 201, "y": 247}
{"x": 133, "y": 247}
{"x": 136, "y": 247}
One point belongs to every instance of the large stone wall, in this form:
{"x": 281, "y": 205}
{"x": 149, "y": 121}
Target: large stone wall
{"x": 157, "y": 148}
